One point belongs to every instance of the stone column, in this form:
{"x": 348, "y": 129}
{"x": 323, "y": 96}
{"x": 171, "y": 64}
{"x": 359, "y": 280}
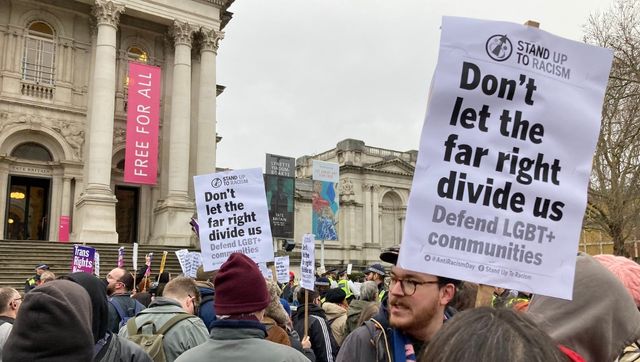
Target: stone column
{"x": 366, "y": 190}
{"x": 180, "y": 114}
{"x": 4, "y": 200}
{"x": 66, "y": 196}
{"x": 96, "y": 207}
{"x": 376, "y": 214}
{"x": 172, "y": 217}
{"x": 206, "y": 139}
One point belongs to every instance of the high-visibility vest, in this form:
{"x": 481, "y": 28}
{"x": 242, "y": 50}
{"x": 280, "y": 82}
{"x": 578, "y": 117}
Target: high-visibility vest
{"x": 344, "y": 285}
{"x": 381, "y": 295}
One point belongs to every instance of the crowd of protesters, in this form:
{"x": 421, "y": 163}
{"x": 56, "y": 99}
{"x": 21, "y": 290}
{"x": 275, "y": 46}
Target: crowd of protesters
{"x": 234, "y": 314}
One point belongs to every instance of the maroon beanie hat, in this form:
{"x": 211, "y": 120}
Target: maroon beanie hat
{"x": 240, "y": 287}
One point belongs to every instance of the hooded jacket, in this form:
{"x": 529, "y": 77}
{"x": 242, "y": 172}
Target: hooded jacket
{"x": 337, "y": 319}
{"x": 600, "y": 321}
{"x": 207, "y": 310}
{"x": 46, "y": 311}
{"x": 353, "y": 314}
{"x": 185, "y": 335}
{"x": 323, "y": 343}
{"x": 240, "y": 340}
{"x": 108, "y": 346}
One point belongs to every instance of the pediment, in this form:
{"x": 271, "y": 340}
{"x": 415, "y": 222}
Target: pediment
{"x": 395, "y": 165}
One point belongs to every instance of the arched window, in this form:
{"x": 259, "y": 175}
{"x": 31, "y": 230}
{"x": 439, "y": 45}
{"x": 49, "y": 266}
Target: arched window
{"x": 134, "y": 54}
{"x": 38, "y": 62}
{"x": 390, "y": 224}
{"x": 32, "y": 151}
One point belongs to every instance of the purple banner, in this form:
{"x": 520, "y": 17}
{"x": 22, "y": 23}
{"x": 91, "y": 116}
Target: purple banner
{"x": 83, "y": 259}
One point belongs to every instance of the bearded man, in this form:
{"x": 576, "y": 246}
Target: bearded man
{"x": 415, "y": 309}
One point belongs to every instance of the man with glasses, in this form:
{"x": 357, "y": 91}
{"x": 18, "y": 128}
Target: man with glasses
{"x": 121, "y": 305}
{"x": 180, "y": 297}
{"x": 415, "y": 309}
{"x": 10, "y": 301}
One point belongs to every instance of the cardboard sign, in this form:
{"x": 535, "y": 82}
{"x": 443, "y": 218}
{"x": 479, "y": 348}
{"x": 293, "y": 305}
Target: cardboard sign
{"x": 266, "y": 272}
{"x": 233, "y": 217}
{"x": 282, "y": 268}
{"x": 499, "y": 191}
{"x": 307, "y": 263}
{"x": 183, "y": 258}
{"x": 83, "y": 259}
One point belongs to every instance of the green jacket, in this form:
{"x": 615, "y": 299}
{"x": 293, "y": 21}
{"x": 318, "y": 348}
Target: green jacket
{"x": 185, "y": 335}
{"x": 232, "y": 340}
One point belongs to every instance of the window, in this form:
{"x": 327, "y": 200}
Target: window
{"x": 32, "y": 151}
{"x": 38, "y": 62}
{"x": 134, "y": 54}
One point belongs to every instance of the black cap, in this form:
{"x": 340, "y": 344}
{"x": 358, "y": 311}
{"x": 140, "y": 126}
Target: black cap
{"x": 42, "y": 266}
{"x": 390, "y": 255}
{"x": 322, "y": 282}
{"x": 335, "y": 295}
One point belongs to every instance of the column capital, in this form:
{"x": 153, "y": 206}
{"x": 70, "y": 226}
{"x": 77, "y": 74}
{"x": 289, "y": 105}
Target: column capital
{"x": 375, "y": 188}
{"x": 366, "y": 187}
{"x": 211, "y": 39}
{"x": 107, "y": 12}
{"x": 182, "y": 32}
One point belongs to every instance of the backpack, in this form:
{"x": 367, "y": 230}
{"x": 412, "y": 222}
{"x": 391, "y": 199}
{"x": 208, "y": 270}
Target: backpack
{"x": 124, "y": 317}
{"x": 153, "y": 343}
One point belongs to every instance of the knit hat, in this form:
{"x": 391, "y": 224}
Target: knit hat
{"x": 99, "y": 305}
{"x": 240, "y": 287}
{"x": 53, "y": 325}
{"x": 627, "y": 271}
{"x": 335, "y": 295}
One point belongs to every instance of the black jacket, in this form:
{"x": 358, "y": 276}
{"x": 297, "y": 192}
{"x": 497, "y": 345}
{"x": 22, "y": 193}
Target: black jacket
{"x": 323, "y": 344}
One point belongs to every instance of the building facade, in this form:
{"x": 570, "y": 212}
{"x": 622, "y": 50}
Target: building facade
{"x": 373, "y": 191}
{"x": 63, "y": 106}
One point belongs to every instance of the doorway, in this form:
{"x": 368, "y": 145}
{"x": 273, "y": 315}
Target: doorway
{"x": 127, "y": 213}
{"x": 28, "y": 208}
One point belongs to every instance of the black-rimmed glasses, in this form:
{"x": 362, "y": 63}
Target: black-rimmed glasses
{"x": 408, "y": 286}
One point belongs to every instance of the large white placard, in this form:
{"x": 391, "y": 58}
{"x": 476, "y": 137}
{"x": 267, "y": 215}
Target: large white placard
{"x": 233, "y": 217}
{"x": 307, "y": 262}
{"x": 500, "y": 185}
{"x": 282, "y": 268}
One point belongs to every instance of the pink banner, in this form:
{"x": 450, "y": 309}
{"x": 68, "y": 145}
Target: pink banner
{"x": 63, "y": 231}
{"x": 143, "y": 116}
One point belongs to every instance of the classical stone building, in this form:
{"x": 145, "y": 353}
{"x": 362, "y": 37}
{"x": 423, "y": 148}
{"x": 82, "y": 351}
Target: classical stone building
{"x": 374, "y": 190}
{"x": 63, "y": 103}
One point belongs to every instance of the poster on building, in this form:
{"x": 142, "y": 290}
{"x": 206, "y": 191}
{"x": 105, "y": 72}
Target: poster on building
{"x": 233, "y": 216}
{"x": 499, "y": 191}
{"x": 143, "y": 122}
{"x": 324, "y": 200}
{"x": 282, "y": 268}
{"x": 280, "y": 166}
{"x": 308, "y": 262}
{"x": 280, "y": 192}
{"x": 63, "y": 231}
{"x": 83, "y": 259}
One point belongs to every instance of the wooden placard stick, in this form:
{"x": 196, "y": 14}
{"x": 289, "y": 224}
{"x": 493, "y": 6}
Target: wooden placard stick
{"x": 306, "y": 313}
{"x": 532, "y": 23}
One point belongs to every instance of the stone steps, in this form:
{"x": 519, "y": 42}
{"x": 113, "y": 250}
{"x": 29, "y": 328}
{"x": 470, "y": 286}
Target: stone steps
{"x": 19, "y": 258}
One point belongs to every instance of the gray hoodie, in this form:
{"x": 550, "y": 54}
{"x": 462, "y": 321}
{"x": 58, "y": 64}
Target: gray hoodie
{"x": 600, "y": 321}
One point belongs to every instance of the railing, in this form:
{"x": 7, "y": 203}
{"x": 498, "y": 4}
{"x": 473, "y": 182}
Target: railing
{"x": 38, "y": 90}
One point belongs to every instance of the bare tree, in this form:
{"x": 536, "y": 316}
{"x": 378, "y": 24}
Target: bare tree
{"x": 614, "y": 190}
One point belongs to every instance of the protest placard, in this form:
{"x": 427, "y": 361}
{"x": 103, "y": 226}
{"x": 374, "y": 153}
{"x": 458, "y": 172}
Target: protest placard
{"x": 282, "y": 268}
{"x": 499, "y": 191}
{"x": 183, "y": 255}
{"x": 83, "y": 259}
{"x": 266, "y": 272}
{"x": 307, "y": 262}
{"x": 233, "y": 216}
{"x": 96, "y": 264}
{"x": 349, "y": 268}
{"x": 195, "y": 260}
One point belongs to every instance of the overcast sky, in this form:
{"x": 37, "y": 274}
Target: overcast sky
{"x": 302, "y": 75}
